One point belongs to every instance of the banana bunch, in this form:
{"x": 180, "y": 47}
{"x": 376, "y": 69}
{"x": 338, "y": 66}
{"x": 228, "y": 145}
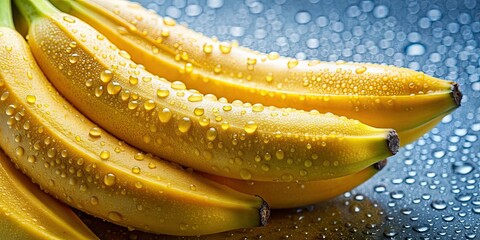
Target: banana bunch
{"x": 86, "y": 118}
{"x": 87, "y": 168}
{"x": 410, "y": 102}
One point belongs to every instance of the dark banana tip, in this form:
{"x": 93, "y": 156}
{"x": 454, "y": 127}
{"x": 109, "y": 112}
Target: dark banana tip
{"x": 393, "y": 142}
{"x": 456, "y": 94}
{"x": 264, "y": 212}
{"x": 380, "y": 165}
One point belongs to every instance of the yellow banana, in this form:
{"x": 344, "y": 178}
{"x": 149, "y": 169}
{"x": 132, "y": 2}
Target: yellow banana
{"x": 237, "y": 140}
{"x": 298, "y": 194}
{"x": 380, "y": 96}
{"x": 85, "y": 167}
{"x": 28, "y": 213}
{"x": 25, "y": 211}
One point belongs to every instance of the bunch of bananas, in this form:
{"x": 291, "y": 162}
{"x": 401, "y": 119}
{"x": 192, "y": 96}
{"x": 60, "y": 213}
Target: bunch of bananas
{"x": 84, "y": 116}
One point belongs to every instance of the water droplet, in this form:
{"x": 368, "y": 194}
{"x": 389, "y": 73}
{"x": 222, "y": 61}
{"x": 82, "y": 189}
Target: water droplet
{"x": 250, "y": 127}
{"x": 380, "y": 188}
{"x": 115, "y": 216}
{"x": 31, "y": 159}
{"x": 464, "y": 197}
{"x": 113, "y": 88}
{"x": 287, "y": 177}
{"x": 132, "y": 105}
{"x": 136, "y": 170}
{"x": 169, "y": 21}
{"x": 439, "y": 205}
{"x": 94, "y": 200}
{"x": 124, "y": 54}
{"x": 110, "y": 179}
{"x": 207, "y": 48}
{"x": 421, "y": 229}
{"x": 448, "y": 218}
{"x": 225, "y": 47}
{"x": 149, "y": 105}
{"x": 462, "y": 168}
{"x": 257, "y": 107}
{"x": 95, "y": 132}
{"x": 415, "y": 49}
{"x": 133, "y": 80}
{"x": 360, "y": 70}
{"x": 380, "y": 11}
{"x": 397, "y": 194}
{"x": 217, "y": 69}
{"x": 196, "y": 97}
{"x": 4, "y": 96}
{"x": 273, "y": 56}
{"x": 211, "y": 134}
{"x": 225, "y": 125}
{"x": 177, "y": 85}
{"x": 163, "y": 93}
{"x": 73, "y": 58}
{"x": 104, "y": 155}
{"x": 165, "y": 115}
{"x": 68, "y": 19}
{"x": 184, "y": 125}
{"x": 303, "y": 17}
{"x": 292, "y": 63}
{"x": 19, "y": 151}
{"x": 390, "y": 232}
{"x": 279, "y": 154}
{"x": 245, "y": 174}
{"x": 183, "y": 226}
{"x": 106, "y": 76}
{"x": 31, "y": 99}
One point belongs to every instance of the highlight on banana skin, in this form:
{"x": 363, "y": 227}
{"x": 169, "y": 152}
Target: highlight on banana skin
{"x": 116, "y": 111}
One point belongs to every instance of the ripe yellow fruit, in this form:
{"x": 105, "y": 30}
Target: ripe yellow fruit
{"x": 299, "y": 194}
{"x": 212, "y": 135}
{"x": 87, "y": 168}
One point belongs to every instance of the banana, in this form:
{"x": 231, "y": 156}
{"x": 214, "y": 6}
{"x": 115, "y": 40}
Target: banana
{"x": 82, "y": 165}
{"x": 380, "y": 96}
{"x": 237, "y": 140}
{"x": 25, "y": 211}
{"x": 28, "y": 213}
{"x": 298, "y": 194}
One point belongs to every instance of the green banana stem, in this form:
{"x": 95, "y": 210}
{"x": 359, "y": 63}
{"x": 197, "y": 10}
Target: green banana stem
{"x": 6, "y": 19}
{"x": 31, "y": 9}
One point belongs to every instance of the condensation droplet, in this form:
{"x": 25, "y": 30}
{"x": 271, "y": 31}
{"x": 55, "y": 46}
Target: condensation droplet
{"x": 250, "y": 127}
{"x": 106, "y": 76}
{"x": 110, "y": 179}
{"x": 95, "y": 132}
{"x": 184, "y": 125}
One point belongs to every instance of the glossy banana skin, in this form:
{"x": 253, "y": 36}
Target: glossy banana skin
{"x": 28, "y": 213}
{"x": 83, "y": 166}
{"x": 297, "y": 194}
{"x": 238, "y": 140}
{"x": 377, "y": 95}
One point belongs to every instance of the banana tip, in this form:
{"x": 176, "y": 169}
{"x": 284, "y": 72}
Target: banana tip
{"x": 380, "y": 165}
{"x": 456, "y": 94}
{"x": 264, "y": 212}
{"x": 393, "y": 142}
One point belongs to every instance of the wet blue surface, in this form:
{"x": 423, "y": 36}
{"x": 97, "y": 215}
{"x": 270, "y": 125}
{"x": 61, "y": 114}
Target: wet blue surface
{"x": 430, "y": 189}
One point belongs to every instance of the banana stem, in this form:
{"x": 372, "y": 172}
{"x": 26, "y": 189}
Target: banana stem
{"x": 31, "y": 9}
{"x": 6, "y": 19}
